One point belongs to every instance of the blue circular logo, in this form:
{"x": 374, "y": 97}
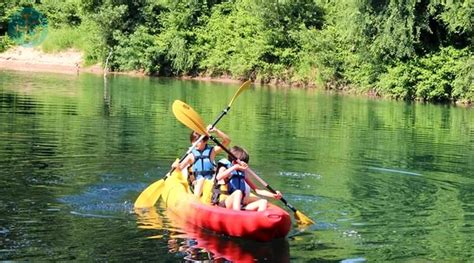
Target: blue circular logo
{"x": 28, "y": 27}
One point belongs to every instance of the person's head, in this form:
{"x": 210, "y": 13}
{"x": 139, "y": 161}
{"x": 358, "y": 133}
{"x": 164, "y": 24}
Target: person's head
{"x": 240, "y": 153}
{"x": 194, "y": 136}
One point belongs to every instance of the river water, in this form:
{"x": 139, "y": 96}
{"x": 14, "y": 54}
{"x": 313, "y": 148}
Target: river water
{"x": 384, "y": 180}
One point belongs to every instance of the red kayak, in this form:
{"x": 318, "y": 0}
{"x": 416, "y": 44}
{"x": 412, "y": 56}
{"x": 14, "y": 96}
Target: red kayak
{"x": 270, "y": 224}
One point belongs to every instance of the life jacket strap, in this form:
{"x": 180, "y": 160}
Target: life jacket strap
{"x": 203, "y": 173}
{"x": 217, "y": 192}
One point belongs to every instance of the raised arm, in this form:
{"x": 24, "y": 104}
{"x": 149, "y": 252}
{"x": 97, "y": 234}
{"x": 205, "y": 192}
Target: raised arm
{"x": 224, "y": 173}
{"x": 225, "y": 139}
{"x": 261, "y": 192}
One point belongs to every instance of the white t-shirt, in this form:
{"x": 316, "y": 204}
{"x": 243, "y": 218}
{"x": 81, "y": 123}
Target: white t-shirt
{"x": 247, "y": 189}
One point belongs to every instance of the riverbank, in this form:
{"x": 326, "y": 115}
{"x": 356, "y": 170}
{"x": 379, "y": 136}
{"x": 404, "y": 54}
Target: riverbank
{"x": 67, "y": 62}
{"x": 34, "y": 60}
{"x": 71, "y": 62}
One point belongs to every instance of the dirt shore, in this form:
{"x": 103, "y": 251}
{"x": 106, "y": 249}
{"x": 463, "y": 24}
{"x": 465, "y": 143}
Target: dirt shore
{"x": 34, "y": 60}
{"x": 69, "y": 62}
{"x": 66, "y": 62}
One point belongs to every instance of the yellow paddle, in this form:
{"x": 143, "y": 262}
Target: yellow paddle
{"x": 186, "y": 115}
{"x": 150, "y": 195}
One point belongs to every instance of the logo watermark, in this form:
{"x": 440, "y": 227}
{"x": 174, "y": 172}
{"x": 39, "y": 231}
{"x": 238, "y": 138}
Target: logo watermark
{"x": 28, "y": 27}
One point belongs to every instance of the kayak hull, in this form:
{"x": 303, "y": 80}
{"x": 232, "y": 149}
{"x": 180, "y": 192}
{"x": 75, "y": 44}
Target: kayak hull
{"x": 270, "y": 224}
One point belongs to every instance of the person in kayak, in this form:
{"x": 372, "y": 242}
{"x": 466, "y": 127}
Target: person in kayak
{"x": 232, "y": 184}
{"x": 202, "y": 158}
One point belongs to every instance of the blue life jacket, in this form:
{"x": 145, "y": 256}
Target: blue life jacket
{"x": 202, "y": 162}
{"x": 237, "y": 179}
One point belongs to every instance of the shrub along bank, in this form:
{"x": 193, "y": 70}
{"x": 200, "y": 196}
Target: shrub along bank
{"x": 411, "y": 49}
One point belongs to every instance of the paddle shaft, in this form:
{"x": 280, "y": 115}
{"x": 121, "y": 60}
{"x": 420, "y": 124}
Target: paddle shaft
{"x": 272, "y": 190}
{"x": 186, "y": 154}
{"x": 224, "y": 112}
{"x": 254, "y": 174}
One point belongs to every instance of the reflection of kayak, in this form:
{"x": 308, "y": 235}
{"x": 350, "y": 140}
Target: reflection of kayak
{"x": 220, "y": 247}
{"x": 261, "y": 226}
{"x": 237, "y": 250}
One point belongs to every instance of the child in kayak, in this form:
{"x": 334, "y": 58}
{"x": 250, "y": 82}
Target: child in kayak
{"x": 232, "y": 185}
{"x": 202, "y": 158}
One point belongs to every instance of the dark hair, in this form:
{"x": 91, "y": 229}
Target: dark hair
{"x": 240, "y": 153}
{"x": 194, "y": 136}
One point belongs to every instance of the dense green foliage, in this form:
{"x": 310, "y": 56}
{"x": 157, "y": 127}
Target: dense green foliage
{"x": 407, "y": 49}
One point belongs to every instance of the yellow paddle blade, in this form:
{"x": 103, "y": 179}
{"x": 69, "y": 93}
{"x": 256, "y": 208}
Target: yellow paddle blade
{"x": 150, "y": 195}
{"x": 243, "y": 87}
{"x": 187, "y": 116}
{"x": 303, "y": 219}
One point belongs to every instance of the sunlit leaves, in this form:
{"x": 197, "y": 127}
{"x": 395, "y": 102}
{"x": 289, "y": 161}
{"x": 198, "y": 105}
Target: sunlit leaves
{"x": 363, "y": 45}
{"x": 437, "y": 77}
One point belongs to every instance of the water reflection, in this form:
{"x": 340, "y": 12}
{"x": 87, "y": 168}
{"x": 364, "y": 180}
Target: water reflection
{"x": 197, "y": 245}
{"x": 384, "y": 180}
{"x": 107, "y": 97}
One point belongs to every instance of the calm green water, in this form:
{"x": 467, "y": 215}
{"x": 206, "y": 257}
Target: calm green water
{"x": 385, "y": 181}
